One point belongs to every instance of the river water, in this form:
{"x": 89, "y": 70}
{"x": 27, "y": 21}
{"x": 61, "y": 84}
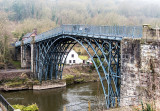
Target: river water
{"x": 74, "y": 97}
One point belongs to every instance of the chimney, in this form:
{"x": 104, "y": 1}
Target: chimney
{"x": 35, "y": 31}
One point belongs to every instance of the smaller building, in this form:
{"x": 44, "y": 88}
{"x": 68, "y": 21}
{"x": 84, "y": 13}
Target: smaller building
{"x": 73, "y": 58}
{"x": 34, "y": 33}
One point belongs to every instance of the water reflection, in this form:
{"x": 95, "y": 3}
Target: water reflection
{"x": 74, "y": 97}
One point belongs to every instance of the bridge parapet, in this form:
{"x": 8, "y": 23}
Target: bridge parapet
{"x": 114, "y": 32}
{"x": 151, "y": 34}
{"x": 122, "y": 31}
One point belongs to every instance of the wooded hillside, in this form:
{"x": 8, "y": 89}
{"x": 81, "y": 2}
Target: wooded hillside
{"x": 18, "y": 17}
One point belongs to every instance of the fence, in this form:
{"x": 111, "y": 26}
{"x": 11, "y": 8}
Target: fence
{"x": 4, "y": 103}
{"x": 82, "y": 106}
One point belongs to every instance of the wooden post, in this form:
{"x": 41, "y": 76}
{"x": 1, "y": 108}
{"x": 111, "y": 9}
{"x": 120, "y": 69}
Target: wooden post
{"x": 64, "y": 109}
{"x": 116, "y": 103}
{"x": 89, "y": 106}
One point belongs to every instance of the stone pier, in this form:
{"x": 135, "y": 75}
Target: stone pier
{"x": 25, "y": 56}
{"x": 140, "y": 68}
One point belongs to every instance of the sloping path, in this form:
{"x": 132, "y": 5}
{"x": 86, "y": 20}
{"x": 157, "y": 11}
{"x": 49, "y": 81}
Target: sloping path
{"x": 14, "y": 70}
{"x": 12, "y": 73}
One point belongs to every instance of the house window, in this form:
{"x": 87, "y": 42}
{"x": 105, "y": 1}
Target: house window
{"x": 70, "y": 61}
{"x": 74, "y": 61}
{"x": 72, "y": 55}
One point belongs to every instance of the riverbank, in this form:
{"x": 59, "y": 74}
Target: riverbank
{"x": 14, "y": 80}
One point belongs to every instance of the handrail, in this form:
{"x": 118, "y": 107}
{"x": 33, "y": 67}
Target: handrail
{"x": 86, "y": 30}
{"x": 6, "y": 104}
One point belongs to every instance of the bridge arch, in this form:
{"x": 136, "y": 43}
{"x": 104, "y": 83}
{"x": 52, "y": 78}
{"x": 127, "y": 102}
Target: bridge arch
{"x": 107, "y": 52}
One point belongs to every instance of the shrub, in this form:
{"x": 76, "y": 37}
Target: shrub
{"x": 32, "y": 107}
{"x": 148, "y": 107}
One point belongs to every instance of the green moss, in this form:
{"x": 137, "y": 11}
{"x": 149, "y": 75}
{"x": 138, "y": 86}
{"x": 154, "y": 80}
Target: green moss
{"x": 36, "y": 82}
{"x": 79, "y": 80}
{"x": 69, "y": 79}
{"x": 17, "y": 82}
{"x": 32, "y": 107}
{"x": 16, "y": 64}
{"x": 14, "y": 84}
{"x": 69, "y": 76}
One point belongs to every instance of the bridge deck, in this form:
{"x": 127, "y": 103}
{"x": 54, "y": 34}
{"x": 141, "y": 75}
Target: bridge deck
{"x": 104, "y": 32}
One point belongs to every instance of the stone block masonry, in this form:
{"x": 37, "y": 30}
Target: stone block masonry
{"x": 140, "y": 71}
{"x": 130, "y": 63}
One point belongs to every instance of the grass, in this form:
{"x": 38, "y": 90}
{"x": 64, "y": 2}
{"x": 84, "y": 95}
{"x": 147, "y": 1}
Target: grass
{"x": 16, "y": 64}
{"x": 14, "y": 84}
{"x": 148, "y": 107}
{"x": 83, "y": 57}
{"x": 78, "y": 80}
{"x": 18, "y": 81}
{"x": 69, "y": 79}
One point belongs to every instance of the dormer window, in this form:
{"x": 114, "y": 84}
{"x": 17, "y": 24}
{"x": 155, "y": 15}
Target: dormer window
{"x": 72, "y": 55}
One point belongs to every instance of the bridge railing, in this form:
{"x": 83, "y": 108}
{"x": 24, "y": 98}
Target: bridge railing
{"x": 111, "y": 31}
{"x": 48, "y": 34}
{"x": 4, "y": 103}
{"x": 123, "y": 31}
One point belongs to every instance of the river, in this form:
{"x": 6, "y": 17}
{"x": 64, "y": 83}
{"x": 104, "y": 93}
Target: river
{"x": 74, "y": 97}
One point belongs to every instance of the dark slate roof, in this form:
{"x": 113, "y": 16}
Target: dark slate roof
{"x": 28, "y": 34}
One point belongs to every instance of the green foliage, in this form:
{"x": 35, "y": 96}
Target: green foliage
{"x": 96, "y": 60}
{"x": 142, "y": 106}
{"x": 5, "y": 55}
{"x": 16, "y": 64}
{"x": 13, "y": 84}
{"x": 69, "y": 79}
{"x": 18, "y": 106}
{"x": 147, "y": 108}
{"x": 78, "y": 80}
{"x": 36, "y": 82}
{"x": 32, "y": 107}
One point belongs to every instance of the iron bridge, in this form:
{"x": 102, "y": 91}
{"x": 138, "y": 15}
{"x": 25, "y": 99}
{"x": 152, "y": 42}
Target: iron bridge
{"x": 102, "y": 43}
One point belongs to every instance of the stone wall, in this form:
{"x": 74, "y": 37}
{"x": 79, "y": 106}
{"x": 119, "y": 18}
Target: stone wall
{"x": 150, "y": 70}
{"x": 140, "y": 71}
{"x": 130, "y": 63}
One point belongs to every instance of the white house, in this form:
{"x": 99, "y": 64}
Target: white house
{"x": 73, "y": 58}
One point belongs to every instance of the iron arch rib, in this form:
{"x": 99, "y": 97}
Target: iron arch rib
{"x": 105, "y": 55}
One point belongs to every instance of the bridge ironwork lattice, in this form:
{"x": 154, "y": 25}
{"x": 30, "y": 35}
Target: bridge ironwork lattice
{"x": 102, "y": 44}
